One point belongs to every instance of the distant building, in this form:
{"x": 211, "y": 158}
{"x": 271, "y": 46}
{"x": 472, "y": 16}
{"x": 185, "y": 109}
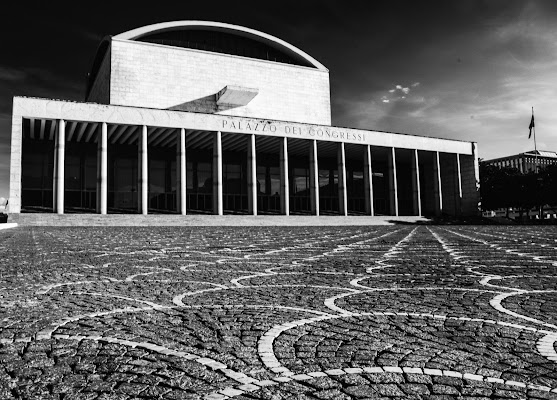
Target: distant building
{"x": 194, "y": 116}
{"x": 525, "y": 162}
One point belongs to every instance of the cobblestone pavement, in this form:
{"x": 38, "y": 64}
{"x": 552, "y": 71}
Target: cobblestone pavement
{"x": 427, "y": 312}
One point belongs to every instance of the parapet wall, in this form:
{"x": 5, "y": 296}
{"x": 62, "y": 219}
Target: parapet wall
{"x": 156, "y": 76}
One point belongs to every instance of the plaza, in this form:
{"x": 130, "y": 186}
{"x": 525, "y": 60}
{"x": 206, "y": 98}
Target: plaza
{"x": 403, "y": 311}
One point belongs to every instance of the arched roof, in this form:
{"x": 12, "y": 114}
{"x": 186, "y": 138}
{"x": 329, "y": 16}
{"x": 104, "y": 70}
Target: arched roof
{"x": 272, "y": 41}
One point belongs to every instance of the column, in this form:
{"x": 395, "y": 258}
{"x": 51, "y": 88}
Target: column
{"x": 393, "y": 192}
{"x": 416, "y": 189}
{"x": 437, "y": 192}
{"x": 342, "y": 189}
{"x": 284, "y": 188}
{"x": 476, "y": 171}
{"x": 313, "y": 178}
{"x": 102, "y": 168}
{"x": 458, "y": 186}
{"x": 252, "y": 175}
{"x": 60, "y": 148}
{"x": 217, "y": 174}
{"x": 368, "y": 181}
{"x": 181, "y": 172}
{"x": 98, "y": 192}
{"x": 268, "y": 186}
{"x": 55, "y": 171}
{"x": 142, "y": 173}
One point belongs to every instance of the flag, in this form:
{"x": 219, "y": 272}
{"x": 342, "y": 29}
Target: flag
{"x": 532, "y": 125}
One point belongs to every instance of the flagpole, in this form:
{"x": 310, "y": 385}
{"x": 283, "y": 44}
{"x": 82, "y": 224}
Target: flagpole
{"x": 535, "y": 145}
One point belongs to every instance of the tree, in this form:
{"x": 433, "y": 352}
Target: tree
{"x": 507, "y": 187}
{"x": 498, "y": 186}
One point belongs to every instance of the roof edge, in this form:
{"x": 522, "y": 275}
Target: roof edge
{"x": 243, "y": 31}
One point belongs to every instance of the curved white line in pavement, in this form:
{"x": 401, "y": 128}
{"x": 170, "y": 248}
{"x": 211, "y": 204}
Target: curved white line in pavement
{"x": 184, "y": 268}
{"x": 240, "y": 390}
{"x": 230, "y": 392}
{"x": 344, "y": 247}
{"x": 178, "y": 299}
{"x": 205, "y": 361}
{"x": 330, "y": 302}
{"x": 249, "y": 384}
{"x": 485, "y": 282}
{"x": 46, "y": 333}
{"x": 546, "y": 346}
{"x": 292, "y": 286}
{"x": 149, "y": 303}
{"x": 236, "y": 282}
{"x": 535, "y": 257}
{"x": 356, "y": 282}
{"x": 390, "y": 253}
{"x": 452, "y": 252}
{"x": 496, "y": 303}
{"x": 471, "y": 270}
{"x": 48, "y": 288}
{"x": 265, "y": 344}
{"x": 288, "y": 308}
{"x": 265, "y": 349}
{"x": 507, "y": 238}
{"x": 89, "y": 266}
{"x": 266, "y": 341}
{"x": 222, "y": 260}
{"x": 286, "y": 248}
{"x": 132, "y": 277}
{"x": 267, "y": 272}
{"x": 486, "y": 277}
{"x": 208, "y": 362}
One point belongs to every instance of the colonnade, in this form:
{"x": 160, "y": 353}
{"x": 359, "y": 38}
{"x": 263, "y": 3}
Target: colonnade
{"x": 143, "y": 200}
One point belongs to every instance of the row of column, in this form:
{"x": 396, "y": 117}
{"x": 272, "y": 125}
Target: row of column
{"x": 143, "y": 200}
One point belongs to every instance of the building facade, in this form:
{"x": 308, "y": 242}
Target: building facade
{"x": 192, "y": 116}
{"x": 525, "y": 162}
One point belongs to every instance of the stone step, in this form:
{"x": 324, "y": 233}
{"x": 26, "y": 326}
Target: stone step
{"x": 205, "y": 220}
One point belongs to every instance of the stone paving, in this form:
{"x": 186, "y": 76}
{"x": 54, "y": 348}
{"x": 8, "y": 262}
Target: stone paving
{"x": 420, "y": 312}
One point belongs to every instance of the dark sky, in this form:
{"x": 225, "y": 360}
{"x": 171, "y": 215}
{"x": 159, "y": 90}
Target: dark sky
{"x": 462, "y": 69}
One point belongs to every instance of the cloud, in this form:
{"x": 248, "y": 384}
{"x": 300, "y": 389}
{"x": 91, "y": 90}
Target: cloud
{"x": 398, "y": 93}
{"x": 507, "y": 66}
{"x": 363, "y": 113}
{"x": 36, "y": 82}
{"x": 90, "y": 35}
{"x": 11, "y": 74}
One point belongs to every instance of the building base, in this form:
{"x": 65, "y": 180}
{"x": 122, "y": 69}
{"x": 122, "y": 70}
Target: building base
{"x": 206, "y": 220}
